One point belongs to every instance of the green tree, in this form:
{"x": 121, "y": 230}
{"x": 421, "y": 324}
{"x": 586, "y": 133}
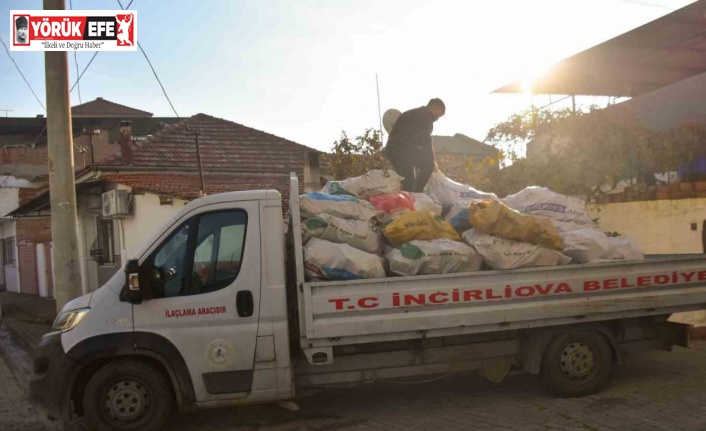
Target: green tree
{"x": 354, "y": 157}
{"x": 575, "y": 152}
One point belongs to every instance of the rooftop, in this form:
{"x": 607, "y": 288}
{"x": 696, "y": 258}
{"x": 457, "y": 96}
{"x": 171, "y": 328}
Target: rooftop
{"x": 105, "y": 108}
{"x": 224, "y": 146}
{"x": 461, "y": 144}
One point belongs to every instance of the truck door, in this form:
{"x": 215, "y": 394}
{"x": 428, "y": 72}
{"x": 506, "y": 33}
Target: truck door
{"x": 205, "y": 284}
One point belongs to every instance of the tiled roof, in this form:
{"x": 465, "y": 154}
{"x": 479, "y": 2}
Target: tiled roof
{"x": 105, "y": 108}
{"x": 186, "y": 185}
{"x": 461, "y": 144}
{"x": 224, "y": 145}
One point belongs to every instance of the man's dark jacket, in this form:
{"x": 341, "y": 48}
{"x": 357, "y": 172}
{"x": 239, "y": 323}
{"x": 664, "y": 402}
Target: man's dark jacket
{"x": 411, "y": 135}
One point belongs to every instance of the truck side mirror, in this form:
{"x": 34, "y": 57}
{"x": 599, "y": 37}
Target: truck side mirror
{"x": 133, "y": 290}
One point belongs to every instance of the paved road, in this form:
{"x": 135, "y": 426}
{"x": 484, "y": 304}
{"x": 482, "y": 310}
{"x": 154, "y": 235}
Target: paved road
{"x": 662, "y": 392}
{"x": 16, "y": 412}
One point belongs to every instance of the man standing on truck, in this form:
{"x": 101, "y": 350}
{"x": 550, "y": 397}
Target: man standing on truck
{"x": 409, "y": 145}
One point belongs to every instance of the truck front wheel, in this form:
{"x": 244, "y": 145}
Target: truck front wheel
{"x": 127, "y": 395}
{"x": 576, "y": 364}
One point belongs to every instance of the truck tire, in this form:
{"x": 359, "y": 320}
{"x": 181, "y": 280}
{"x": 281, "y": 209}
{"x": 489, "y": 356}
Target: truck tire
{"x": 576, "y": 364}
{"x": 127, "y": 395}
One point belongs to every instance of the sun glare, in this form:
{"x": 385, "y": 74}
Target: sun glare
{"x": 530, "y": 80}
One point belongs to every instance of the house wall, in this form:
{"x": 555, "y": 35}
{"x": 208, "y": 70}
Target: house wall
{"x": 11, "y": 274}
{"x": 9, "y": 200}
{"x": 129, "y": 234}
{"x": 30, "y": 232}
{"x": 148, "y": 217}
{"x": 658, "y": 226}
{"x": 102, "y": 148}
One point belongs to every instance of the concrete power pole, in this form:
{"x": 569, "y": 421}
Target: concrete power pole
{"x": 64, "y": 221}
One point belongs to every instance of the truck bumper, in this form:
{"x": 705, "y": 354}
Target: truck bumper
{"x": 52, "y": 375}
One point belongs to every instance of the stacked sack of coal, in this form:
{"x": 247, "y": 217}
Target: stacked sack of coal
{"x": 504, "y": 238}
{"x": 582, "y": 240}
{"x": 422, "y": 242}
{"x": 342, "y": 239}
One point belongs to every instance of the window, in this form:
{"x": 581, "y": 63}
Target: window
{"x": 169, "y": 264}
{"x": 219, "y": 249}
{"x": 217, "y": 240}
{"x": 103, "y": 248}
{"x": 8, "y": 251}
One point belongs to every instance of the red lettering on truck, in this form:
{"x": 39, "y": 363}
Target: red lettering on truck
{"x": 368, "y": 302}
{"x": 339, "y": 302}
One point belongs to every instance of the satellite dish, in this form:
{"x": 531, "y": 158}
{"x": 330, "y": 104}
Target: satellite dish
{"x": 389, "y": 118}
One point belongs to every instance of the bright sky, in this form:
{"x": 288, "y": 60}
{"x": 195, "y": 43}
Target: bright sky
{"x": 305, "y": 69}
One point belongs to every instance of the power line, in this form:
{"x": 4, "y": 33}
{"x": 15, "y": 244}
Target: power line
{"x": 644, "y": 3}
{"x": 92, "y": 58}
{"x": 22, "y": 74}
{"x": 19, "y": 162}
{"x": 153, "y": 71}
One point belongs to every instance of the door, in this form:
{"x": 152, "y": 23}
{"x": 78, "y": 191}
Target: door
{"x": 205, "y": 285}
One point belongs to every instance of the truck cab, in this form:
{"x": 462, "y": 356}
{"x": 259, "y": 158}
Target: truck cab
{"x": 199, "y": 317}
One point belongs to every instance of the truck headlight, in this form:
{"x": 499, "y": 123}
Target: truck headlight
{"x": 69, "y": 319}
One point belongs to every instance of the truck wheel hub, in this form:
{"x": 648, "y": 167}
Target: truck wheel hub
{"x": 577, "y": 361}
{"x": 127, "y": 401}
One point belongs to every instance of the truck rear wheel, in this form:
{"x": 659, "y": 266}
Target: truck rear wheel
{"x": 127, "y": 395}
{"x": 576, "y": 364}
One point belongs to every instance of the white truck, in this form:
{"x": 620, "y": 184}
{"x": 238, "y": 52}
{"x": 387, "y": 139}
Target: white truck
{"x": 207, "y": 314}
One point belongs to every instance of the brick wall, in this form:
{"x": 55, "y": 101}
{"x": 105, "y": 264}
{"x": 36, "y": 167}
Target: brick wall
{"x": 102, "y": 147}
{"x": 30, "y": 232}
{"x": 34, "y": 230}
{"x": 39, "y": 156}
{"x": 27, "y": 156}
{"x": 27, "y": 194}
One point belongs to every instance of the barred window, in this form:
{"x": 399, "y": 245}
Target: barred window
{"x": 102, "y": 249}
{"x": 8, "y": 251}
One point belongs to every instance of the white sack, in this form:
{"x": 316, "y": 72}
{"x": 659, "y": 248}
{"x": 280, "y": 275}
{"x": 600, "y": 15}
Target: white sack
{"x": 499, "y": 253}
{"x": 540, "y": 201}
{"x": 325, "y": 260}
{"x": 356, "y": 233}
{"x": 448, "y": 191}
{"x": 312, "y": 204}
{"x": 568, "y": 226}
{"x": 441, "y": 256}
{"x": 623, "y": 248}
{"x": 585, "y": 245}
{"x": 375, "y": 182}
{"x": 591, "y": 245}
{"x": 424, "y": 202}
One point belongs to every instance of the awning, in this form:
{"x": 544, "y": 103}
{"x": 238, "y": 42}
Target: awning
{"x": 41, "y": 202}
{"x": 649, "y": 57}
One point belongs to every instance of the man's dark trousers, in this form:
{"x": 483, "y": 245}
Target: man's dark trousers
{"x": 404, "y": 160}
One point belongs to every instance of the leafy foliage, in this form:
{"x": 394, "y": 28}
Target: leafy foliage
{"x": 354, "y": 157}
{"x": 575, "y": 152}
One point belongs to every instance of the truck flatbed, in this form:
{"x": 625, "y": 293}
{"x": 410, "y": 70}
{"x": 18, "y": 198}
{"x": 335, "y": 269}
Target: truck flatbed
{"x": 337, "y": 313}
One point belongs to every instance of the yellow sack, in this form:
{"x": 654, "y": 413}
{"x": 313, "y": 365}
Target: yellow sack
{"x": 410, "y": 225}
{"x": 495, "y": 218}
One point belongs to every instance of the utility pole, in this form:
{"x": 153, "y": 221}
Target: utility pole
{"x": 64, "y": 221}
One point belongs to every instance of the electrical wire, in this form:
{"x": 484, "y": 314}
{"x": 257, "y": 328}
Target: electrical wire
{"x": 19, "y": 162}
{"x": 159, "y": 81}
{"x": 649, "y": 4}
{"x": 92, "y": 58}
{"x": 22, "y": 75}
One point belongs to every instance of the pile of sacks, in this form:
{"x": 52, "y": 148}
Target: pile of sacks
{"x": 365, "y": 227}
